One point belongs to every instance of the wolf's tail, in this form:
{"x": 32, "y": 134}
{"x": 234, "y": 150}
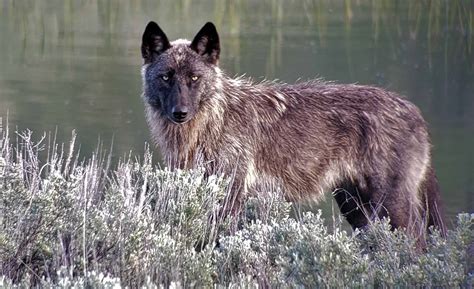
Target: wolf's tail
{"x": 432, "y": 205}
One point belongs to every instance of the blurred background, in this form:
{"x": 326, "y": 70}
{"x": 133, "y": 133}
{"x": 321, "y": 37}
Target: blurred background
{"x": 75, "y": 65}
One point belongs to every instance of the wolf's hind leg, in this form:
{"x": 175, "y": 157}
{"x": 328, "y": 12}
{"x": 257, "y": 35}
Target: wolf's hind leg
{"x": 356, "y": 205}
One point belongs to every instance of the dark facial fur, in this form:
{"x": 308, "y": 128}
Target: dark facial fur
{"x": 369, "y": 146}
{"x": 178, "y": 74}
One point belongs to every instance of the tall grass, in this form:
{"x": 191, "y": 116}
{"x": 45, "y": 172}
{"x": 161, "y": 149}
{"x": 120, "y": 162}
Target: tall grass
{"x": 71, "y": 223}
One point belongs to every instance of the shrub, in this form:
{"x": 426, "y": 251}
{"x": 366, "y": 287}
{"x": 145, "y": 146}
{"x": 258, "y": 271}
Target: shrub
{"x": 71, "y": 223}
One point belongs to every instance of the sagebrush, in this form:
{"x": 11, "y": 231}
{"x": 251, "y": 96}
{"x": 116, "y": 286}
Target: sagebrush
{"x": 71, "y": 223}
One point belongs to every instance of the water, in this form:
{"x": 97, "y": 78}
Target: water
{"x": 68, "y": 65}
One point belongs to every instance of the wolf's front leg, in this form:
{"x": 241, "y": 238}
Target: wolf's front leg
{"x": 232, "y": 204}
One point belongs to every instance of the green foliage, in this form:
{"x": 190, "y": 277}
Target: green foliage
{"x": 70, "y": 224}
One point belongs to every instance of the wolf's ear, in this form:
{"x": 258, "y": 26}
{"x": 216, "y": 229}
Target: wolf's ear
{"x": 206, "y": 43}
{"x": 154, "y": 42}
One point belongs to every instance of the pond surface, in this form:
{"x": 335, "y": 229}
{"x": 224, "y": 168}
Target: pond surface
{"x": 69, "y": 65}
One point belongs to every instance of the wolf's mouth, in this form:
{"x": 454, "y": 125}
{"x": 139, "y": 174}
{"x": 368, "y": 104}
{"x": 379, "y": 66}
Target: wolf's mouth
{"x": 179, "y": 121}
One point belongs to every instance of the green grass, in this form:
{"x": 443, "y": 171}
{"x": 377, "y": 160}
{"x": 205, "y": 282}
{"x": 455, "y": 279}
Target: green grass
{"x": 71, "y": 223}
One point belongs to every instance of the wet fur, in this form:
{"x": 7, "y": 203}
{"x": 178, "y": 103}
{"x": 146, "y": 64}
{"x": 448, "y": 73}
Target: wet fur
{"x": 368, "y": 146}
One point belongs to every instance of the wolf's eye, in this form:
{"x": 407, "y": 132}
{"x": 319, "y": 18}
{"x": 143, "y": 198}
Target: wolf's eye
{"x": 194, "y": 78}
{"x": 165, "y": 77}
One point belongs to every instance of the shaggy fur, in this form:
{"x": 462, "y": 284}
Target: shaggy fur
{"x": 368, "y": 146}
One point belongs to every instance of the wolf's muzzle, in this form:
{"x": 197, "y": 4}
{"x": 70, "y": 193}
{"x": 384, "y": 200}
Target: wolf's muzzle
{"x": 179, "y": 113}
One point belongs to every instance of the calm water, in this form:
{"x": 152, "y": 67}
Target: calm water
{"x": 75, "y": 64}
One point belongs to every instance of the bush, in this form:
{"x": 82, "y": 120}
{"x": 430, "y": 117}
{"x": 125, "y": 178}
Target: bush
{"x": 73, "y": 224}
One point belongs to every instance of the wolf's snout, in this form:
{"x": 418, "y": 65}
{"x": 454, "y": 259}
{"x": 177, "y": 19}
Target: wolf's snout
{"x": 179, "y": 113}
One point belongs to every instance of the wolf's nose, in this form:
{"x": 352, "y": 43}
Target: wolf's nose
{"x": 179, "y": 113}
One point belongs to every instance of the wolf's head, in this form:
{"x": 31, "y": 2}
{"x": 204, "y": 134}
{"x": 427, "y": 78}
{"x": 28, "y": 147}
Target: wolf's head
{"x": 179, "y": 75}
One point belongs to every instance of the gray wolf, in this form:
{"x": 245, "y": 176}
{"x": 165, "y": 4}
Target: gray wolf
{"x": 368, "y": 146}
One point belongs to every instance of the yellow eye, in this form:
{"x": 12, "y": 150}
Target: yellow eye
{"x": 165, "y": 77}
{"x": 194, "y": 78}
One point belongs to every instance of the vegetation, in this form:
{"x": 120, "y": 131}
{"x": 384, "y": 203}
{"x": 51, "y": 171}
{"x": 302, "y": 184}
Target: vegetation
{"x": 71, "y": 223}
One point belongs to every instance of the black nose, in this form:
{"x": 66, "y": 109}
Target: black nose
{"x": 179, "y": 113}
